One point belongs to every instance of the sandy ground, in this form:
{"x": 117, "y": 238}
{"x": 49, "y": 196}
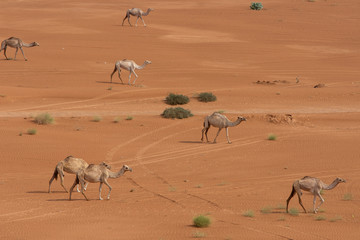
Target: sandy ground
{"x": 255, "y": 62}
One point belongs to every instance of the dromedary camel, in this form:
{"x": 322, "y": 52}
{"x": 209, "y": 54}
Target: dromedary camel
{"x": 70, "y": 165}
{"x": 313, "y": 185}
{"x": 220, "y": 121}
{"x": 16, "y": 43}
{"x": 137, "y": 12}
{"x": 129, "y": 65}
{"x": 97, "y": 173}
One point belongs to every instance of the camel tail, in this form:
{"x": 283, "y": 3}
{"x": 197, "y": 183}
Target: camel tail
{"x": 77, "y": 179}
{"x": 55, "y": 175}
{"x": 2, "y": 45}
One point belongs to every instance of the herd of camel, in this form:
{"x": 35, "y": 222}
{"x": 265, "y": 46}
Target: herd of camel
{"x": 101, "y": 172}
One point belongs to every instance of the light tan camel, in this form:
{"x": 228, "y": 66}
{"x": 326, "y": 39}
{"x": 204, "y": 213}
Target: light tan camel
{"x": 16, "y": 43}
{"x": 220, "y": 121}
{"x": 70, "y": 165}
{"x": 313, "y": 185}
{"x": 128, "y": 65}
{"x": 137, "y": 12}
{"x": 97, "y": 173}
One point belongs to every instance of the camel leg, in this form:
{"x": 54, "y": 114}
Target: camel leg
{"x": 107, "y": 184}
{"x": 217, "y": 134}
{"x": 86, "y": 186}
{"x": 17, "y": 49}
{"x": 290, "y": 197}
{"x": 119, "y": 71}
{"x": 227, "y": 135}
{"x": 5, "y": 53}
{"x": 206, "y": 131}
{"x": 124, "y": 20}
{"x": 143, "y": 21}
{"x": 100, "y": 187}
{"x": 299, "y": 195}
{"x": 136, "y": 76}
{"x": 129, "y": 20}
{"x": 72, "y": 187}
{"x": 112, "y": 74}
{"x": 321, "y": 199}
{"x": 61, "y": 174}
{"x": 82, "y": 190}
{"x": 23, "y": 53}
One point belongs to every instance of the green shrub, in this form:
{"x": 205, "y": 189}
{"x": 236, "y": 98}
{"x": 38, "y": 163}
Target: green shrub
{"x": 320, "y": 218}
{"x": 206, "y": 97}
{"x": 272, "y": 137}
{"x": 178, "y": 112}
{"x": 129, "y": 118}
{"x": 335, "y": 219}
{"x": 201, "y": 221}
{"x": 176, "y": 99}
{"x": 256, "y": 6}
{"x": 248, "y": 213}
{"x": 32, "y": 131}
{"x": 294, "y": 212}
{"x": 266, "y": 210}
{"x": 43, "y": 119}
{"x": 116, "y": 120}
{"x": 96, "y": 119}
{"x": 347, "y": 197}
{"x": 199, "y": 234}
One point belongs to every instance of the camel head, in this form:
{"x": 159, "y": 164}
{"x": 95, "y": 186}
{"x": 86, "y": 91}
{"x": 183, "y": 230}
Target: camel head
{"x": 340, "y": 180}
{"x": 151, "y": 9}
{"x": 242, "y": 118}
{"x": 147, "y": 62}
{"x": 127, "y": 168}
{"x": 108, "y": 166}
{"x": 35, "y": 44}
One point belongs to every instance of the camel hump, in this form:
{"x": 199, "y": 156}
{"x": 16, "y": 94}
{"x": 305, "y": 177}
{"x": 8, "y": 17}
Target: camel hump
{"x": 306, "y": 177}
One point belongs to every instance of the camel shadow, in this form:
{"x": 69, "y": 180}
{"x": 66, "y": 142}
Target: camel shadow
{"x": 65, "y": 200}
{"x": 111, "y": 82}
{"x": 198, "y": 142}
{"x": 46, "y": 192}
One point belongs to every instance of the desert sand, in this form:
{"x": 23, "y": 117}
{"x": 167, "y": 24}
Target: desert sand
{"x": 257, "y": 63}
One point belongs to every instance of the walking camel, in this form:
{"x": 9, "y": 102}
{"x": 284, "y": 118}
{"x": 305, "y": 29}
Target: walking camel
{"x": 137, "y": 12}
{"x": 313, "y": 185}
{"x": 16, "y": 43}
{"x": 97, "y": 173}
{"x": 128, "y": 65}
{"x": 220, "y": 121}
{"x": 70, "y": 165}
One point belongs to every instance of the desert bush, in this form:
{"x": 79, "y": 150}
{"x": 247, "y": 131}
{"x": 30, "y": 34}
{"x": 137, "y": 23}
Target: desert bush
{"x": 256, "y": 6}
{"x": 266, "y": 210}
{"x": 96, "y": 119}
{"x": 32, "y": 131}
{"x": 201, "y": 221}
{"x": 116, "y": 120}
{"x": 249, "y": 213}
{"x": 320, "y": 218}
{"x": 43, "y": 119}
{"x": 178, "y": 112}
{"x": 129, "y": 118}
{"x": 347, "y": 197}
{"x": 176, "y": 99}
{"x": 294, "y": 212}
{"x": 272, "y": 137}
{"x": 206, "y": 97}
{"x": 335, "y": 219}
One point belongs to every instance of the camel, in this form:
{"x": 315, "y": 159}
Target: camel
{"x": 97, "y": 173}
{"x": 16, "y": 43}
{"x": 138, "y": 13}
{"x": 313, "y": 185}
{"x": 130, "y": 66}
{"x": 220, "y": 121}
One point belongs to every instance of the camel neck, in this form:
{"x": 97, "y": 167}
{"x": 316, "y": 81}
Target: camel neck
{"x": 332, "y": 185}
{"x": 29, "y": 44}
{"x": 233, "y": 124}
{"x": 116, "y": 174}
{"x": 142, "y": 66}
{"x": 147, "y": 13}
